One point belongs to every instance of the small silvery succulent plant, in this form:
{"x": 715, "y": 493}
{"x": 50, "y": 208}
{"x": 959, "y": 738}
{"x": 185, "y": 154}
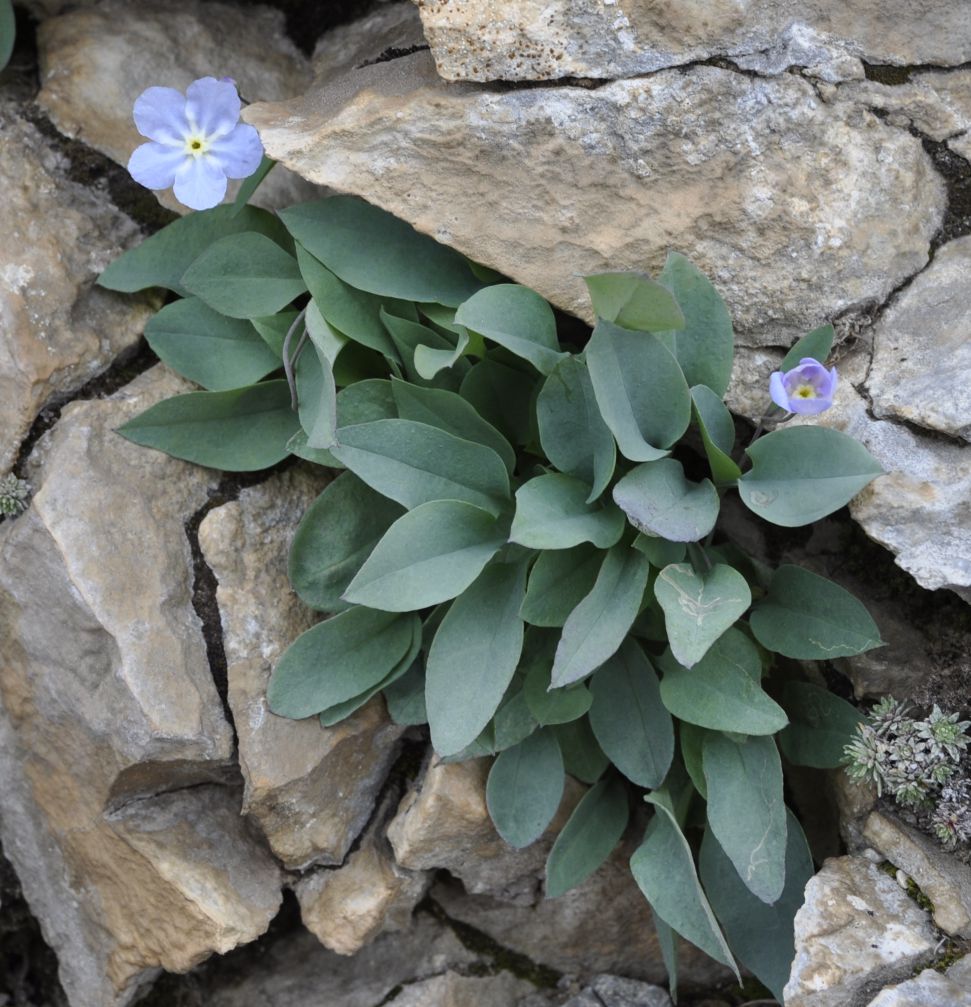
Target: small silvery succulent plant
{"x": 13, "y": 495}
{"x": 918, "y": 763}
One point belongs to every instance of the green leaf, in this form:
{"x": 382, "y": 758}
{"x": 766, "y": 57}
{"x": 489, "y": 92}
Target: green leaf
{"x": 513, "y": 722}
{"x": 429, "y": 555}
{"x": 518, "y": 319}
{"x": 582, "y": 756}
{"x": 640, "y": 390}
{"x": 553, "y": 706}
{"x": 659, "y": 500}
{"x": 664, "y": 870}
{"x": 409, "y": 337}
{"x": 406, "y": 698}
{"x": 800, "y": 474}
{"x": 698, "y": 608}
{"x": 559, "y": 581}
{"x": 353, "y": 312}
{"x": 502, "y": 395}
{"x": 633, "y": 301}
{"x": 571, "y": 430}
{"x": 692, "y": 740}
{"x": 597, "y": 626}
{"x": 815, "y": 344}
{"x": 245, "y": 276}
{"x": 337, "y": 660}
{"x": 589, "y": 836}
{"x": 216, "y": 352}
{"x": 717, "y": 430}
{"x": 667, "y": 942}
{"x": 323, "y": 335}
{"x": 365, "y": 402}
{"x": 810, "y": 618}
{"x": 429, "y": 361}
{"x": 629, "y": 719}
{"x": 525, "y": 787}
{"x": 705, "y": 345}
{"x": 450, "y": 412}
{"x": 242, "y": 430}
{"x": 659, "y": 551}
{"x": 273, "y": 329}
{"x": 552, "y": 513}
{"x": 820, "y": 726}
{"x": 374, "y": 251}
{"x": 413, "y": 463}
{"x": 8, "y": 32}
{"x": 335, "y": 714}
{"x": 317, "y": 399}
{"x": 746, "y": 810}
{"x": 760, "y": 935}
{"x": 722, "y": 691}
{"x": 162, "y": 259}
{"x": 474, "y": 656}
{"x": 252, "y": 183}
{"x": 336, "y": 535}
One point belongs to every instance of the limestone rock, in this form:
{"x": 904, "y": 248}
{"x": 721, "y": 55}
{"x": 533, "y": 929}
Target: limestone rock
{"x": 57, "y": 330}
{"x": 443, "y": 822}
{"x": 297, "y": 971}
{"x": 544, "y": 39}
{"x": 799, "y": 210}
{"x": 96, "y": 61}
{"x": 311, "y": 789}
{"x": 922, "y": 348}
{"x": 929, "y": 989}
{"x": 108, "y": 701}
{"x": 855, "y": 932}
{"x": 921, "y": 509}
{"x": 944, "y": 879}
{"x": 454, "y": 990}
{"x": 603, "y": 925}
{"x": 615, "y": 991}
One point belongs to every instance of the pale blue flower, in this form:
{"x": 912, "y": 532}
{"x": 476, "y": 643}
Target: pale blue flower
{"x": 196, "y": 141}
{"x": 808, "y": 388}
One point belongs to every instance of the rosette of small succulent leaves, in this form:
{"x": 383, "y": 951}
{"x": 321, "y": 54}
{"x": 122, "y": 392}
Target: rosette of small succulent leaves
{"x": 519, "y": 547}
{"x": 918, "y": 762}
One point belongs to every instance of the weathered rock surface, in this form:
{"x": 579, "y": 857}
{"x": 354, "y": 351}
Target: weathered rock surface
{"x": 614, "y": 991}
{"x": 311, "y": 789}
{"x": 941, "y": 877}
{"x": 57, "y": 330}
{"x": 108, "y": 701}
{"x": 539, "y": 39}
{"x": 855, "y": 932}
{"x": 930, "y": 989}
{"x": 454, "y": 990}
{"x": 603, "y": 925}
{"x": 443, "y": 822}
{"x": 798, "y": 209}
{"x": 921, "y": 509}
{"x": 922, "y": 348}
{"x": 96, "y": 61}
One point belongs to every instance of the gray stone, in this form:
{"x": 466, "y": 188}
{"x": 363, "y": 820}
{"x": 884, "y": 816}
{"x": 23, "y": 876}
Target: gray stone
{"x": 544, "y": 39}
{"x": 944, "y": 879}
{"x": 454, "y": 990}
{"x": 57, "y": 330}
{"x": 928, "y": 989}
{"x": 856, "y": 932}
{"x": 921, "y": 370}
{"x": 96, "y": 61}
{"x": 615, "y": 991}
{"x": 737, "y": 172}
{"x": 310, "y": 789}
{"x": 107, "y": 702}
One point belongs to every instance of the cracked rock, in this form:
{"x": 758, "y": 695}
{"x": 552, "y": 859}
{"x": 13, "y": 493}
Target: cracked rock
{"x": 930, "y": 989}
{"x": 855, "y": 932}
{"x": 798, "y": 210}
{"x": 615, "y": 991}
{"x": 944, "y": 879}
{"x": 310, "y": 789}
{"x": 97, "y": 60}
{"x": 57, "y": 330}
{"x": 454, "y": 990}
{"x": 922, "y": 348}
{"x": 108, "y": 701}
{"x": 544, "y": 39}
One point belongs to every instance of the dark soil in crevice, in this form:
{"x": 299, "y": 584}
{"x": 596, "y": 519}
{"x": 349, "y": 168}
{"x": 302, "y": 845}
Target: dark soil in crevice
{"x": 895, "y": 76}
{"x": 28, "y": 967}
{"x": 956, "y": 172}
{"x": 307, "y": 20}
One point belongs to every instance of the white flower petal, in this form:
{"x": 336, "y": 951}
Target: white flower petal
{"x": 239, "y": 153}
{"x": 154, "y": 165}
{"x": 199, "y": 184}
{"x": 160, "y": 115}
{"x": 212, "y": 106}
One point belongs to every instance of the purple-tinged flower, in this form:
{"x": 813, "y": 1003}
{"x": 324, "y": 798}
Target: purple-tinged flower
{"x": 196, "y": 141}
{"x": 808, "y": 388}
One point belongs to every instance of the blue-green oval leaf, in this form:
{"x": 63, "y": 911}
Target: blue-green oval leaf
{"x": 659, "y": 500}
{"x": 552, "y": 513}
